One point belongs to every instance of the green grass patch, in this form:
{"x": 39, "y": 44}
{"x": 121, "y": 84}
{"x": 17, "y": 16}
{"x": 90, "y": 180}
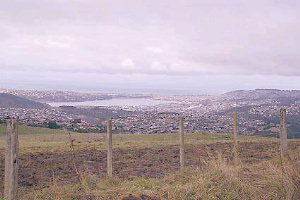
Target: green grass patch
{"x": 33, "y": 139}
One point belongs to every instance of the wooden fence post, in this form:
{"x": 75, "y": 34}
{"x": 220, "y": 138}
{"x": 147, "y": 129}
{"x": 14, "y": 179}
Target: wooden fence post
{"x": 283, "y": 132}
{"x": 181, "y": 140}
{"x": 235, "y": 137}
{"x": 109, "y": 148}
{"x": 11, "y": 160}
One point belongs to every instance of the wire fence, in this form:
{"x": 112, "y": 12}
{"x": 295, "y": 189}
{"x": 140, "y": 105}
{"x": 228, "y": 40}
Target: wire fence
{"x": 179, "y": 161}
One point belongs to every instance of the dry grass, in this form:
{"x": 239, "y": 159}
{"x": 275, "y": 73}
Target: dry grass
{"x": 47, "y": 140}
{"x": 219, "y": 180}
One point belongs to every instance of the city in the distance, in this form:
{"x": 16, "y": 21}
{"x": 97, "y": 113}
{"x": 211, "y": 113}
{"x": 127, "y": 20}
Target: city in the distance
{"x": 258, "y": 111}
{"x": 149, "y": 100}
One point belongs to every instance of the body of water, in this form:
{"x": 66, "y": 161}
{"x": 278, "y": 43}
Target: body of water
{"x": 114, "y": 102}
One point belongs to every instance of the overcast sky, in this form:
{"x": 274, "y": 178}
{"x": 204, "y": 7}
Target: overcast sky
{"x": 208, "y": 46}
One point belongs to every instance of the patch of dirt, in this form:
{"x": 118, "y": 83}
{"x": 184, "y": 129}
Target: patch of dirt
{"x": 39, "y": 169}
{"x": 142, "y": 197}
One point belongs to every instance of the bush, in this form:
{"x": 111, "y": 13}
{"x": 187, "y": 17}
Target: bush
{"x": 53, "y": 125}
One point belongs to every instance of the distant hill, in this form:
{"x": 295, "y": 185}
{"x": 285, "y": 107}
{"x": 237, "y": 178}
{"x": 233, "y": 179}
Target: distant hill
{"x": 67, "y": 96}
{"x": 284, "y": 96}
{"x": 12, "y": 101}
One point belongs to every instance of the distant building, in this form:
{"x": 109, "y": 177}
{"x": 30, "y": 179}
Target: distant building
{"x": 76, "y": 121}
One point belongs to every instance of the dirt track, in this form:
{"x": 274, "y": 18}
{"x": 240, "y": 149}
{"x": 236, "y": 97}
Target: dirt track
{"x": 39, "y": 169}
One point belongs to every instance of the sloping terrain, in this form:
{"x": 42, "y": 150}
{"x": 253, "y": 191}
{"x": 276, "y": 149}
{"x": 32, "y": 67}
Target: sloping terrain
{"x": 258, "y": 94}
{"x": 12, "y": 101}
{"x": 147, "y": 167}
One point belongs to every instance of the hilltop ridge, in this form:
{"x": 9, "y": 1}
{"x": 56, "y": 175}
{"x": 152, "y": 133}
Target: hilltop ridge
{"x": 12, "y": 101}
{"x": 261, "y": 94}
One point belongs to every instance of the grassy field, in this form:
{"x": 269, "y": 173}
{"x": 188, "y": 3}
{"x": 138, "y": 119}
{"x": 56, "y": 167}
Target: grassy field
{"x": 44, "y": 139}
{"x": 147, "y": 167}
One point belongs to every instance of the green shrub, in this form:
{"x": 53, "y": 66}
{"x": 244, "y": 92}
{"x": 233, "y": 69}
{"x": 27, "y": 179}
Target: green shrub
{"x": 53, "y": 125}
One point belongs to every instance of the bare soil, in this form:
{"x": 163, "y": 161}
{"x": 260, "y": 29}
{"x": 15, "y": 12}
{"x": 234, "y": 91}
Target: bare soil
{"x": 39, "y": 169}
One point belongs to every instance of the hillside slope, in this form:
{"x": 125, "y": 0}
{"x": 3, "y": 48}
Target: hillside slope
{"x": 259, "y": 94}
{"x": 12, "y": 101}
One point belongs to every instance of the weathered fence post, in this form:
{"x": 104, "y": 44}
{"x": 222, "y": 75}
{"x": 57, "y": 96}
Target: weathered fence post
{"x": 11, "y": 160}
{"x": 109, "y": 148}
{"x": 235, "y": 137}
{"x": 181, "y": 141}
{"x": 283, "y": 132}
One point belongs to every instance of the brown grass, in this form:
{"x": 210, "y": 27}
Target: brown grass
{"x": 263, "y": 176}
{"x": 218, "y": 180}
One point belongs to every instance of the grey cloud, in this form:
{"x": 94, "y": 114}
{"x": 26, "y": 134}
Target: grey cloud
{"x": 184, "y": 37}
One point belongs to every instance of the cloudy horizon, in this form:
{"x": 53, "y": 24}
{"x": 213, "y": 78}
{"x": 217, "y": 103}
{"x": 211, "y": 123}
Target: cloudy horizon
{"x": 208, "y": 46}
